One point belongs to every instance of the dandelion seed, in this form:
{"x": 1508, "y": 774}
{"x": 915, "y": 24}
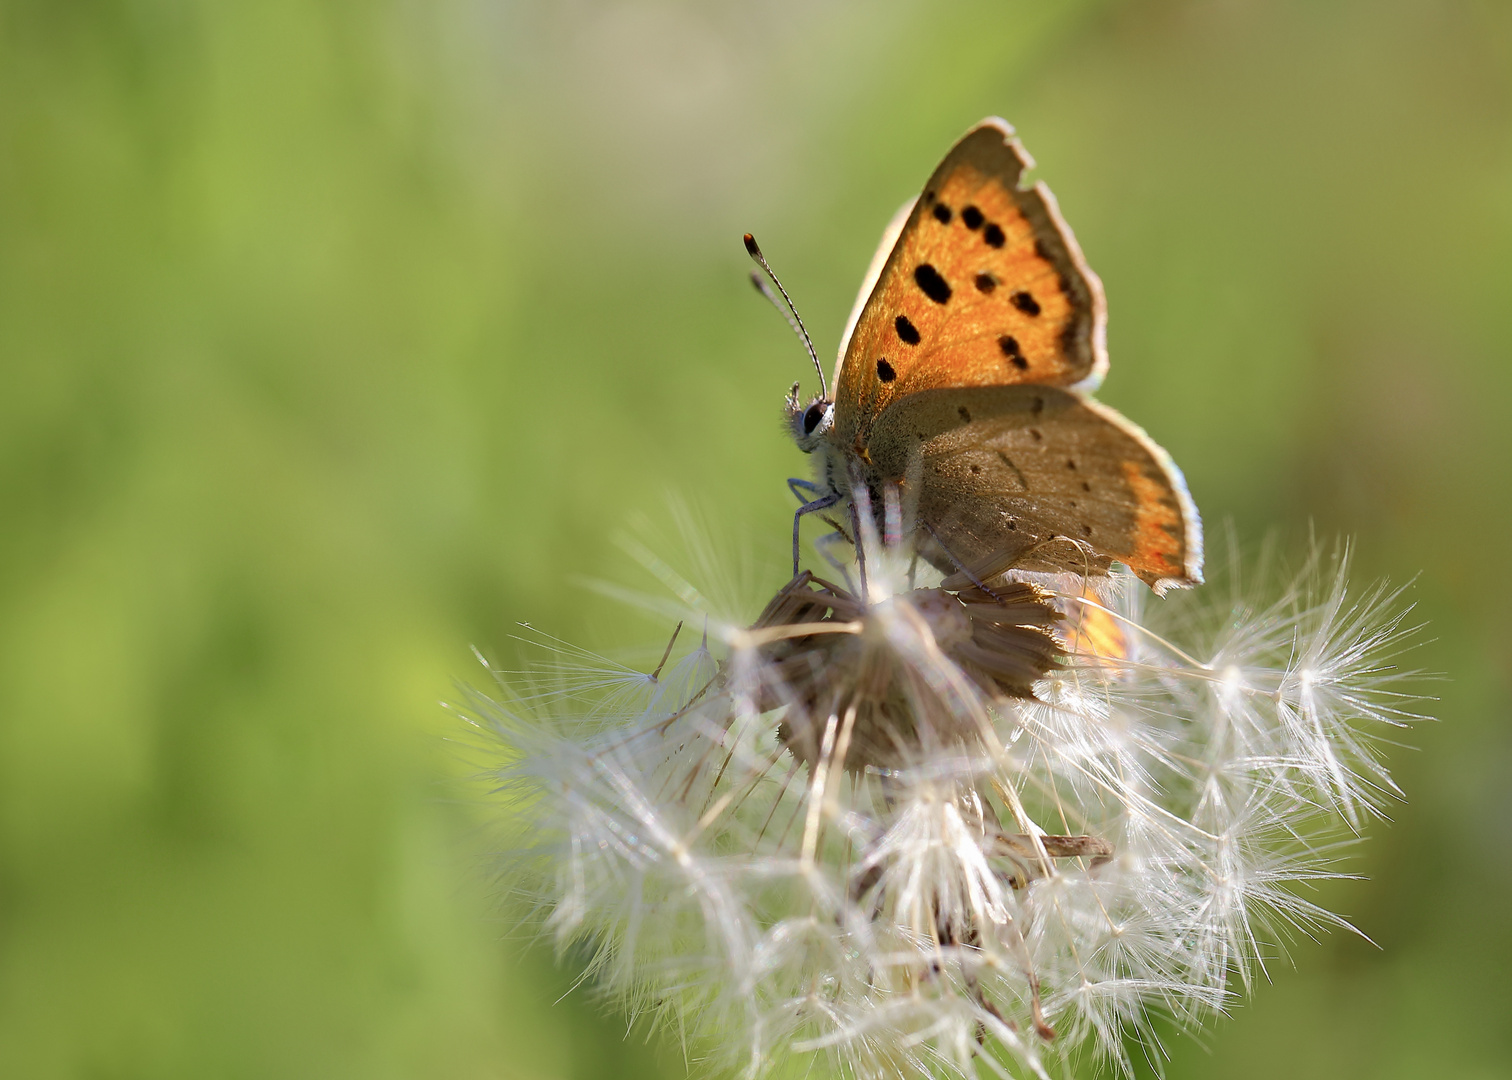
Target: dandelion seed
{"x": 922, "y": 831}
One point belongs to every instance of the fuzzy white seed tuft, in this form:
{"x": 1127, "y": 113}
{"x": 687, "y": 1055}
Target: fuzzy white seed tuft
{"x": 923, "y": 832}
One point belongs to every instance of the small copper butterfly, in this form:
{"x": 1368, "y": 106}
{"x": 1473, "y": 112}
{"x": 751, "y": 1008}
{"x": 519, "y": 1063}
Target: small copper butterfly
{"x": 963, "y": 382}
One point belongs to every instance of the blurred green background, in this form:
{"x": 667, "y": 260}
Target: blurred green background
{"x": 337, "y": 337}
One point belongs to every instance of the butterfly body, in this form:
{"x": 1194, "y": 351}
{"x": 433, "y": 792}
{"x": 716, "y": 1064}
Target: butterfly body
{"x": 963, "y": 380}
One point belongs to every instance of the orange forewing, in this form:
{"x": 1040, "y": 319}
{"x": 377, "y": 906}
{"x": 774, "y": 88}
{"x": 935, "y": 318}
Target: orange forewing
{"x": 985, "y": 286}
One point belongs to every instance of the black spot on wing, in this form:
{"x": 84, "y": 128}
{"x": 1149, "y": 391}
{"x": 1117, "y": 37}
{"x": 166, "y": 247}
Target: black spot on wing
{"x": 933, "y": 285}
{"x": 885, "y": 371}
{"x": 1008, "y": 461}
{"x": 964, "y": 413}
{"x": 942, "y": 213}
{"x": 993, "y": 235}
{"x": 1010, "y": 348}
{"x": 1025, "y": 302}
{"x": 985, "y": 283}
{"x": 907, "y": 331}
{"x": 972, "y": 217}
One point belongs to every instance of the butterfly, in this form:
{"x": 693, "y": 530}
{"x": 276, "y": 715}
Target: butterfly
{"x": 963, "y": 384}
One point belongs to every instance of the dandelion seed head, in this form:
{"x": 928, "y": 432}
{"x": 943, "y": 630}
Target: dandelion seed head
{"x": 924, "y": 830}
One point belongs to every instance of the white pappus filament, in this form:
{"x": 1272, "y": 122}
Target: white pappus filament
{"x": 922, "y": 832}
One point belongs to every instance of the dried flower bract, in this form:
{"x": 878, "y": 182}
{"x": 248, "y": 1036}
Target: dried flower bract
{"x": 822, "y": 652}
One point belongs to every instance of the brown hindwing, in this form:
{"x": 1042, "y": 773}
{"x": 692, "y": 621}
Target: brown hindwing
{"x": 1037, "y": 478}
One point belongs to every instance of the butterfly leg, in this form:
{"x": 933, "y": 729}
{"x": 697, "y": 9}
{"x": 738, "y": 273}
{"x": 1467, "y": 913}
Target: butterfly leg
{"x": 799, "y": 487}
{"x": 860, "y": 545}
{"x": 808, "y": 508}
{"x": 825, "y": 546}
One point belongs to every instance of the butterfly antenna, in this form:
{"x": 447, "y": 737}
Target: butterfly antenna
{"x": 785, "y": 306}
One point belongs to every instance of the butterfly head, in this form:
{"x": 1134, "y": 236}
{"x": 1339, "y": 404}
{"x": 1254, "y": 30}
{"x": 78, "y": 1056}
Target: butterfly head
{"x": 809, "y": 422}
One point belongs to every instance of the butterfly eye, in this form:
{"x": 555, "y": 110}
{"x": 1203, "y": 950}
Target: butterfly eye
{"x": 812, "y": 417}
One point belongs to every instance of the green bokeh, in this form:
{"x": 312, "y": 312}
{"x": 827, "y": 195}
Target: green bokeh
{"x": 336, "y": 338}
